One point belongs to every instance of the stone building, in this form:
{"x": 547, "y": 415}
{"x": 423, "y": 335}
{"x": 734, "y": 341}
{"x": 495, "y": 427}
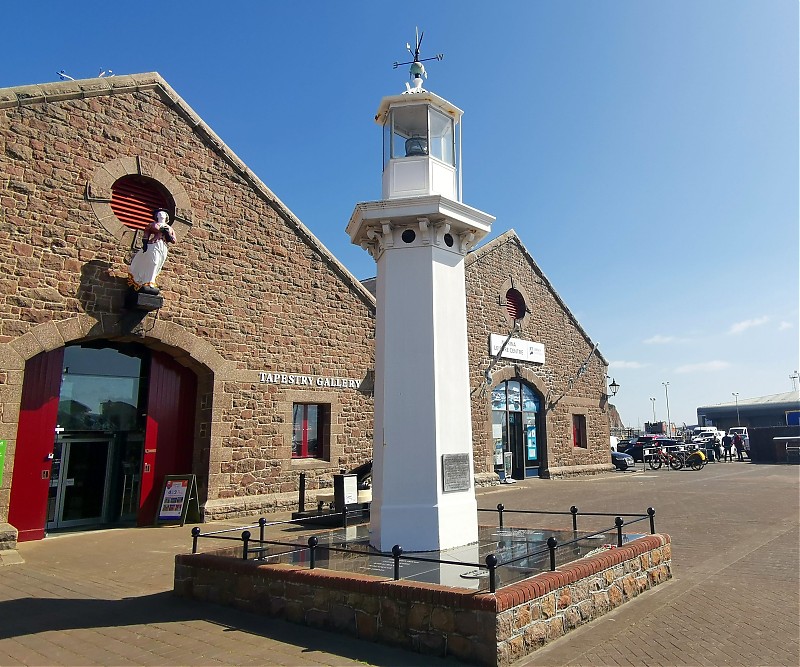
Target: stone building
{"x": 543, "y": 400}
{"x": 255, "y": 362}
{"x": 251, "y": 371}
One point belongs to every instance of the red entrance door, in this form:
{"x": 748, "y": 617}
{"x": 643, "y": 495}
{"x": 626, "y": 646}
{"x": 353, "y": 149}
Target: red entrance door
{"x": 34, "y": 448}
{"x": 169, "y": 434}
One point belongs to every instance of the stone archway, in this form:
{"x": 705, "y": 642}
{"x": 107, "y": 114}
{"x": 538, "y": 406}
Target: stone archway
{"x": 211, "y": 369}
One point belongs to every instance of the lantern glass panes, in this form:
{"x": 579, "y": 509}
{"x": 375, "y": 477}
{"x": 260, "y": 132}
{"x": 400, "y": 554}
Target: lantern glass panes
{"x": 409, "y": 131}
{"x": 442, "y": 137}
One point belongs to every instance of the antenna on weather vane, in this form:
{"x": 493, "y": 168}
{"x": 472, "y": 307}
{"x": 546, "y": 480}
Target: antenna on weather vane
{"x": 417, "y": 70}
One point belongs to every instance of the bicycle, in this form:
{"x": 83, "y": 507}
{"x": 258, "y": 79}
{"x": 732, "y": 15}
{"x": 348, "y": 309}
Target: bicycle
{"x": 697, "y": 460}
{"x": 661, "y": 456}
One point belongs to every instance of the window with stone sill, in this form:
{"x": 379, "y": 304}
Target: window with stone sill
{"x": 310, "y": 430}
{"x": 579, "y": 431}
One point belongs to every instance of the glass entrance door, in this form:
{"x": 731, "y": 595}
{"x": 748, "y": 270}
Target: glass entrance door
{"x": 515, "y": 418}
{"x": 515, "y": 445}
{"x": 79, "y": 482}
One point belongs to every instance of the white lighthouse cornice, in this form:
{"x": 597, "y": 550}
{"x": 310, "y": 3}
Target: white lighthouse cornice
{"x": 373, "y": 224}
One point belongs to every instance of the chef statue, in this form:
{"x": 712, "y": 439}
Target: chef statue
{"x": 147, "y": 262}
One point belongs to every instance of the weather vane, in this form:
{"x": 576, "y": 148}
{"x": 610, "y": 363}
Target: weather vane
{"x": 417, "y": 70}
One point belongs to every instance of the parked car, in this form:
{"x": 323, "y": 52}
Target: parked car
{"x": 636, "y": 449}
{"x": 621, "y": 460}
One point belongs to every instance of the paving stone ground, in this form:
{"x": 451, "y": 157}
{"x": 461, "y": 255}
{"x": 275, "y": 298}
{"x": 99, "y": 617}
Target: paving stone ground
{"x": 103, "y": 597}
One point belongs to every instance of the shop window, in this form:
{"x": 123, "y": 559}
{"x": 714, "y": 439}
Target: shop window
{"x": 310, "y": 430}
{"x": 134, "y": 198}
{"x": 579, "y": 431}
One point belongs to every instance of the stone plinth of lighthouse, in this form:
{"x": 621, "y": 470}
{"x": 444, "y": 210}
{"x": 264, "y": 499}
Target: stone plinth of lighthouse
{"x": 419, "y": 234}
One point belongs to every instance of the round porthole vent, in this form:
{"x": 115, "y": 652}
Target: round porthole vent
{"x": 515, "y": 304}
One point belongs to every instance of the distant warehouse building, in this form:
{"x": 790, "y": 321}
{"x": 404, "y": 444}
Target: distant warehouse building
{"x": 773, "y": 410}
{"x": 773, "y": 424}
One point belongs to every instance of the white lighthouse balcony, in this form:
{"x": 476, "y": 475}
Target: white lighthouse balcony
{"x": 379, "y": 225}
{"x": 419, "y": 176}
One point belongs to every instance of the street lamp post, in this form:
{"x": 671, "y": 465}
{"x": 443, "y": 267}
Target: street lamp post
{"x": 653, "y": 401}
{"x": 666, "y": 393}
{"x": 735, "y": 394}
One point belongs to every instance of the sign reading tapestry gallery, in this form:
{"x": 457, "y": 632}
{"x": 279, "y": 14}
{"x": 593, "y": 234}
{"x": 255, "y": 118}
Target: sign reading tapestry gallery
{"x": 308, "y": 380}
{"x": 516, "y": 348}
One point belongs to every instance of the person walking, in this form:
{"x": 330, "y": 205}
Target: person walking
{"x": 739, "y": 444}
{"x": 727, "y": 442}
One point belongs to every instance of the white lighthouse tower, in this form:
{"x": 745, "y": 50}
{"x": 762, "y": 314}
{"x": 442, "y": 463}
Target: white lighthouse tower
{"x": 419, "y": 234}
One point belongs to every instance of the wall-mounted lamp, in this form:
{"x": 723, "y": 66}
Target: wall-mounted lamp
{"x": 613, "y": 387}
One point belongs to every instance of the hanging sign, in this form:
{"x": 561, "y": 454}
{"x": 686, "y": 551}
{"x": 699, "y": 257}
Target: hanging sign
{"x": 516, "y": 348}
{"x": 178, "y": 493}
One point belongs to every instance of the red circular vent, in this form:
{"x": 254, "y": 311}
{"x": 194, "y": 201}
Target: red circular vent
{"x": 134, "y": 198}
{"x": 515, "y": 304}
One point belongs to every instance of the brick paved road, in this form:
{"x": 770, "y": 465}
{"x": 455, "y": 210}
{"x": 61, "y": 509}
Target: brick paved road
{"x": 103, "y": 597}
{"x": 734, "y": 597}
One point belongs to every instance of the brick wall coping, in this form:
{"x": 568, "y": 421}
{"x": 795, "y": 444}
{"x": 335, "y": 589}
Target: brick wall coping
{"x": 59, "y": 91}
{"x": 413, "y": 591}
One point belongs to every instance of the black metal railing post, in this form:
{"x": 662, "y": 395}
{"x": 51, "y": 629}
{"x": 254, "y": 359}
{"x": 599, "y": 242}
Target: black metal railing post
{"x": 301, "y": 501}
{"x": 500, "y": 509}
{"x": 245, "y": 543}
{"x": 552, "y": 543}
{"x": 262, "y": 523}
{"x": 491, "y": 563}
{"x": 312, "y": 548}
{"x": 195, "y": 535}
{"x": 618, "y": 522}
{"x": 397, "y": 551}
{"x": 652, "y": 512}
{"x": 574, "y": 511}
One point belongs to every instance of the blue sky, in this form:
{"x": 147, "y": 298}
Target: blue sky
{"x": 645, "y": 152}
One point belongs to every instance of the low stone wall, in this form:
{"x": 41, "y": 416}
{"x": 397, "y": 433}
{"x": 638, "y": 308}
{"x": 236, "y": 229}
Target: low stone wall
{"x": 562, "y": 472}
{"x": 484, "y": 628}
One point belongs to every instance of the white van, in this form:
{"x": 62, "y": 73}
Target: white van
{"x": 703, "y": 433}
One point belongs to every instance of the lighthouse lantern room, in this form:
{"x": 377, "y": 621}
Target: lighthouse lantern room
{"x": 421, "y": 146}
